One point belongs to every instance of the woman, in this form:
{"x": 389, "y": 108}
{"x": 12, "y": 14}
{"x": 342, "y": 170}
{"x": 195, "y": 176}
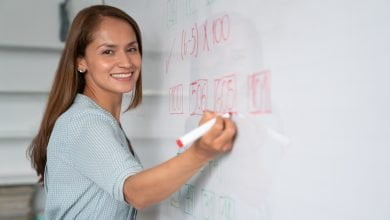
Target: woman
{"x": 81, "y": 153}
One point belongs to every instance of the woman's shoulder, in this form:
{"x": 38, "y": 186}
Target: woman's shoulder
{"x": 85, "y": 111}
{"x": 82, "y": 119}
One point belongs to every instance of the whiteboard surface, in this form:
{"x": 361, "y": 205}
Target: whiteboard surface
{"x": 309, "y": 83}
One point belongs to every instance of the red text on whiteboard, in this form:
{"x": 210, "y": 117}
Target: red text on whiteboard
{"x": 203, "y": 37}
{"x": 225, "y": 91}
{"x": 198, "y": 96}
{"x": 259, "y": 92}
{"x": 176, "y": 99}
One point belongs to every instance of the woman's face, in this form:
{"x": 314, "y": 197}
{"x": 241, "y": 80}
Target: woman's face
{"x": 112, "y": 60}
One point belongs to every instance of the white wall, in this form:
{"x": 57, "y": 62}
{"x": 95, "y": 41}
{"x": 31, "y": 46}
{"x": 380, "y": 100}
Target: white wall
{"x": 29, "y": 52}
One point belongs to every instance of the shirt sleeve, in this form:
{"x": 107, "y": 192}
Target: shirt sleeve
{"x": 97, "y": 152}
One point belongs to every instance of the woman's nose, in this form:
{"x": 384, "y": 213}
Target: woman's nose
{"x": 125, "y": 60}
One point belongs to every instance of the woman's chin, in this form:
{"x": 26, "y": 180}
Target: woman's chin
{"x": 125, "y": 90}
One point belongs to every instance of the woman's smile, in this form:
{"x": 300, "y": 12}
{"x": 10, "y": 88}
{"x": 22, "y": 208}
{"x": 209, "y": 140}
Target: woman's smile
{"x": 122, "y": 76}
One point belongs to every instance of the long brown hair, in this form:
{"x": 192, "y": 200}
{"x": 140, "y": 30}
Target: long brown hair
{"x": 68, "y": 81}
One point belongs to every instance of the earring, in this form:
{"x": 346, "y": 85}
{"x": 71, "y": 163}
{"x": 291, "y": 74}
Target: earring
{"x": 81, "y": 70}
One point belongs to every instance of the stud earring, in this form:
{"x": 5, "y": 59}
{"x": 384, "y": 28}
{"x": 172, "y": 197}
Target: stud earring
{"x": 81, "y": 70}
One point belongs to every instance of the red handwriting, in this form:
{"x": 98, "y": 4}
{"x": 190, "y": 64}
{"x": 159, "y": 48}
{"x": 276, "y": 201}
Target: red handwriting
{"x": 176, "y": 99}
{"x": 259, "y": 92}
{"x": 168, "y": 59}
{"x": 198, "y": 96}
{"x": 225, "y": 94}
{"x": 221, "y": 29}
{"x": 197, "y": 39}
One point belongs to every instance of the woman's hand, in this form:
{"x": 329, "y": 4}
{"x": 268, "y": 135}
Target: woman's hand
{"x": 219, "y": 139}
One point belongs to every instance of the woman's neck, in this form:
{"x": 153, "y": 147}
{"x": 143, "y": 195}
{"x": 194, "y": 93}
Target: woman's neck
{"x": 108, "y": 101}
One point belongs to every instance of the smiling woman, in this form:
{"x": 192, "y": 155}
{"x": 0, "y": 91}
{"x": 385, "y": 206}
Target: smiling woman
{"x": 112, "y": 63}
{"x": 81, "y": 152}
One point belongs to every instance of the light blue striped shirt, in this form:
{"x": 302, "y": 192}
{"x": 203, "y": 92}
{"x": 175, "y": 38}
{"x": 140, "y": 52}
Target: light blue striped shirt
{"x": 88, "y": 160}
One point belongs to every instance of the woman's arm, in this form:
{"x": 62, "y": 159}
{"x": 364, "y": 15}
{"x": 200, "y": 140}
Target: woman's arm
{"x": 156, "y": 184}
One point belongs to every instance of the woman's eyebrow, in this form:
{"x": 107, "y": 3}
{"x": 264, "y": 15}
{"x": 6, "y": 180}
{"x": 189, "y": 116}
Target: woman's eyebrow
{"x": 133, "y": 42}
{"x": 115, "y": 46}
{"x": 107, "y": 45}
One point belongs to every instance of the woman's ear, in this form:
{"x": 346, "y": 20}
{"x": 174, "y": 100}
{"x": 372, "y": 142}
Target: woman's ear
{"x": 81, "y": 65}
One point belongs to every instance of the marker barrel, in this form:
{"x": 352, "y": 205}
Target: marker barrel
{"x": 198, "y": 132}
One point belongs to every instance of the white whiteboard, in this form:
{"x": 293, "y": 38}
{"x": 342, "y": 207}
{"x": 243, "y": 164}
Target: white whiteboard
{"x": 309, "y": 81}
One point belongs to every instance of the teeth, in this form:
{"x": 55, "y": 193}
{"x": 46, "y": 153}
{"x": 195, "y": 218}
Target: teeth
{"x": 121, "y": 75}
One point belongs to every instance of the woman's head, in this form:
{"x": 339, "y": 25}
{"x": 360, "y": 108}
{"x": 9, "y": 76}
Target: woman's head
{"x": 76, "y": 67}
{"x": 85, "y": 30}
{"x": 111, "y": 62}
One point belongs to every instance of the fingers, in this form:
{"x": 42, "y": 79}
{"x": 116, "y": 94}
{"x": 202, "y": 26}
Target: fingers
{"x": 216, "y": 130}
{"x": 207, "y": 115}
{"x": 219, "y": 138}
{"x": 226, "y": 138}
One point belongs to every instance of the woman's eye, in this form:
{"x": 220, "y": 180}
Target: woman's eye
{"x": 109, "y": 52}
{"x": 132, "y": 49}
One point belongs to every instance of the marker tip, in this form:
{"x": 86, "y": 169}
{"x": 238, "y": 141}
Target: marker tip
{"x": 179, "y": 143}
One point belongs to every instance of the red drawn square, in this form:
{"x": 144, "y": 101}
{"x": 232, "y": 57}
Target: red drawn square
{"x": 176, "y": 99}
{"x": 225, "y": 92}
{"x": 259, "y": 88}
{"x": 198, "y": 96}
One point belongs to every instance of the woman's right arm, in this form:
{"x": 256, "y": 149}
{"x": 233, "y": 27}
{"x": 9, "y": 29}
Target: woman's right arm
{"x": 158, "y": 183}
